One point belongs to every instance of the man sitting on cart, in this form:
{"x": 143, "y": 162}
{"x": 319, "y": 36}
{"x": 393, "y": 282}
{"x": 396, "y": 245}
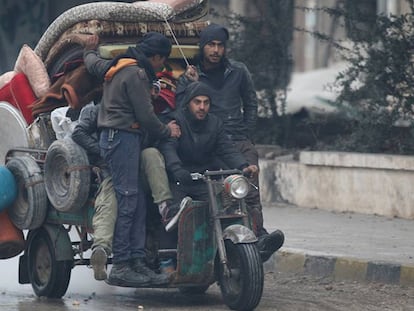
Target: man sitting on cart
{"x": 203, "y": 145}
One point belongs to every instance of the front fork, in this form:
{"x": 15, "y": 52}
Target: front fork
{"x": 217, "y": 226}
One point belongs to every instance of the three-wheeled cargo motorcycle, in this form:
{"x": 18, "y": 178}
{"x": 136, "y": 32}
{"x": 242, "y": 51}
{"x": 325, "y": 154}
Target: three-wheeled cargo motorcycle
{"x": 215, "y": 242}
{"x": 56, "y": 184}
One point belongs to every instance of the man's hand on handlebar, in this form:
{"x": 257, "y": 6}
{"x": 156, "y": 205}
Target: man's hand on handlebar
{"x": 251, "y": 171}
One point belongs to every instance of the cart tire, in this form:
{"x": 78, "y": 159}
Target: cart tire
{"x": 243, "y": 289}
{"x": 194, "y": 290}
{"x": 49, "y": 277}
{"x": 67, "y": 175}
{"x": 29, "y": 209}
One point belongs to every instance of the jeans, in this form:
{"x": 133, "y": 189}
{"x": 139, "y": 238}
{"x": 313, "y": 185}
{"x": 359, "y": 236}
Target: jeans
{"x": 121, "y": 151}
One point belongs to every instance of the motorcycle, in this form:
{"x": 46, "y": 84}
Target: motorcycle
{"x": 215, "y": 243}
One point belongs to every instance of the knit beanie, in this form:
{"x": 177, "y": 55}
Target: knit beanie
{"x": 155, "y": 43}
{"x": 213, "y": 32}
{"x": 196, "y": 88}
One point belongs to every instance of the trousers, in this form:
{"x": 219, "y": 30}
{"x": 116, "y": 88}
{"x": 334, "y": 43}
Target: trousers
{"x": 103, "y": 221}
{"x": 253, "y": 203}
{"x": 121, "y": 151}
{"x": 154, "y": 175}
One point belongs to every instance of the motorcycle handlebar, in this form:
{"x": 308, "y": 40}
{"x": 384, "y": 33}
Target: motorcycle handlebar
{"x": 197, "y": 176}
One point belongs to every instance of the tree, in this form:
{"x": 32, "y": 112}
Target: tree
{"x": 377, "y": 86}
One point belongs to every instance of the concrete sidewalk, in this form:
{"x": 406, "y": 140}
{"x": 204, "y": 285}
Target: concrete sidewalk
{"x": 342, "y": 245}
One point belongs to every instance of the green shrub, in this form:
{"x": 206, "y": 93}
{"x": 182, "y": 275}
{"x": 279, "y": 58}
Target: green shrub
{"x": 378, "y": 87}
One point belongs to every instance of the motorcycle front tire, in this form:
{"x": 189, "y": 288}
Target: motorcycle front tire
{"x": 241, "y": 289}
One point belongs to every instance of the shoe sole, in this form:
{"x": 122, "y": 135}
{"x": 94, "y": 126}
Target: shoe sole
{"x": 174, "y": 221}
{"x": 125, "y": 283}
{"x": 161, "y": 282}
{"x": 98, "y": 262}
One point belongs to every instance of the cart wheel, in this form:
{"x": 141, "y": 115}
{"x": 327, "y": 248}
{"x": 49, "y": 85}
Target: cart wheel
{"x": 49, "y": 277}
{"x": 193, "y": 290}
{"x": 241, "y": 288}
{"x": 67, "y": 175}
{"x": 29, "y": 209}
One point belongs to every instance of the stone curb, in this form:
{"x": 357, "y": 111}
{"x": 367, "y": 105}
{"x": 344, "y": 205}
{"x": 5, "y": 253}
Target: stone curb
{"x": 340, "y": 268}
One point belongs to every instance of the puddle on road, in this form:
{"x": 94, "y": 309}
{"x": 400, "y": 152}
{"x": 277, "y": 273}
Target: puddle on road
{"x": 83, "y": 289}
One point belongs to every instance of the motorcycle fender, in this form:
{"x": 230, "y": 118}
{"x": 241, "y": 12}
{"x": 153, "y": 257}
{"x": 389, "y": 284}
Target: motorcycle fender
{"x": 23, "y": 270}
{"x": 61, "y": 242}
{"x": 239, "y": 234}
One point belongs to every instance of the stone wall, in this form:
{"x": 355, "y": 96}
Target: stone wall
{"x": 354, "y": 182}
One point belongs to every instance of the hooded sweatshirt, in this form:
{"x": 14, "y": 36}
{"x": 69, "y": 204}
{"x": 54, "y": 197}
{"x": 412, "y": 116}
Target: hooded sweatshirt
{"x": 126, "y": 101}
{"x": 203, "y": 144}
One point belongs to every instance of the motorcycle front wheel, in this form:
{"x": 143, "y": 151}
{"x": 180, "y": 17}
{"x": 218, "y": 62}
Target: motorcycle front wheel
{"x": 241, "y": 284}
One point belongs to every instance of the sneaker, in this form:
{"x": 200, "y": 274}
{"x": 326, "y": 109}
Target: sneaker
{"x": 98, "y": 262}
{"x": 122, "y": 274}
{"x": 270, "y": 243}
{"x": 173, "y": 214}
{"x": 139, "y": 266}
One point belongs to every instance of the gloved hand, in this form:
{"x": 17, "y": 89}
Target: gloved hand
{"x": 183, "y": 176}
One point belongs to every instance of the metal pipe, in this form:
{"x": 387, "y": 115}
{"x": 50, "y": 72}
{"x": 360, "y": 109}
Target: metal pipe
{"x": 176, "y": 41}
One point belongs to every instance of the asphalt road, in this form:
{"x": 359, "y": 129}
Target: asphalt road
{"x": 282, "y": 292}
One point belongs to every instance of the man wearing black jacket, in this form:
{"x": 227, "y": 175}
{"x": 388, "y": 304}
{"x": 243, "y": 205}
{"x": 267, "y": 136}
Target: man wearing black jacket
{"x": 202, "y": 143}
{"x": 234, "y": 101}
{"x": 85, "y": 134}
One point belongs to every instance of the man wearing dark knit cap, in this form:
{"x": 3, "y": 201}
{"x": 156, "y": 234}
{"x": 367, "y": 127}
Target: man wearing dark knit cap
{"x": 203, "y": 141}
{"x": 234, "y": 101}
{"x": 124, "y": 116}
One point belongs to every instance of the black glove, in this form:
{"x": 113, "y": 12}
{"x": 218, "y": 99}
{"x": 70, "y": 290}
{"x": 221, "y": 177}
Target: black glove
{"x": 183, "y": 176}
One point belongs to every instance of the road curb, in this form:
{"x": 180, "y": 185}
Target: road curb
{"x": 340, "y": 268}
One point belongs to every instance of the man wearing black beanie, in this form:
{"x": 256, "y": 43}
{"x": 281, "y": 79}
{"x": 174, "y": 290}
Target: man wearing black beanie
{"x": 203, "y": 141}
{"x": 234, "y": 100}
{"x": 126, "y": 115}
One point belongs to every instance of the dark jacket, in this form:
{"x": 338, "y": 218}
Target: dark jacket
{"x": 85, "y": 133}
{"x": 126, "y": 100}
{"x": 235, "y": 102}
{"x": 199, "y": 144}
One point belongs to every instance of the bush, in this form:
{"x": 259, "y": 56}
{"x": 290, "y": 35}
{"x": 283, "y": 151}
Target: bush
{"x": 378, "y": 87}
{"x": 376, "y": 92}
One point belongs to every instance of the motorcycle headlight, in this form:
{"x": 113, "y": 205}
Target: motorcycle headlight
{"x": 237, "y": 186}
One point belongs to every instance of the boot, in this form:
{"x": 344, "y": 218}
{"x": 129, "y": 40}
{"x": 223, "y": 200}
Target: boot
{"x": 122, "y": 274}
{"x": 139, "y": 266}
{"x": 270, "y": 243}
{"x": 98, "y": 262}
